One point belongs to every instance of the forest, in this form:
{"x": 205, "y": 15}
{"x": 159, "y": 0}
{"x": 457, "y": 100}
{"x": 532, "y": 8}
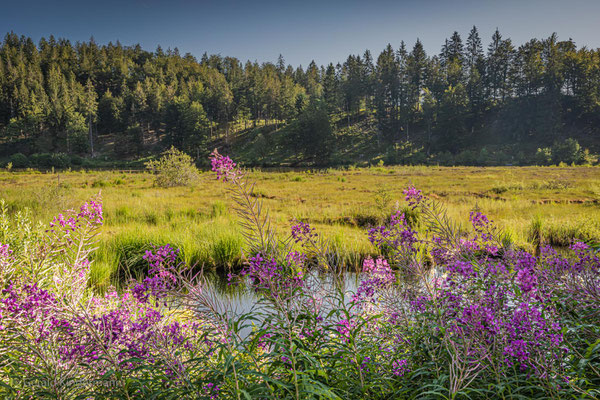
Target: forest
{"x": 63, "y": 103}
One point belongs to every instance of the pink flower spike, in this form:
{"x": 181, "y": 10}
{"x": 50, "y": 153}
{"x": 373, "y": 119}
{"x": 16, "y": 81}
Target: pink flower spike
{"x": 224, "y": 167}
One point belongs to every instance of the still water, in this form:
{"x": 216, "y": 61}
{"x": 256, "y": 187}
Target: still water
{"x": 238, "y": 299}
{"x": 241, "y": 297}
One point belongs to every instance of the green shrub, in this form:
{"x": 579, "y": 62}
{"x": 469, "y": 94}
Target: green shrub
{"x": 467, "y": 157}
{"x": 569, "y": 152}
{"x": 543, "y": 156}
{"x": 174, "y": 168}
{"x": 587, "y": 158}
{"x": 19, "y": 160}
{"x": 445, "y": 158}
{"x": 418, "y": 158}
{"x": 41, "y": 160}
{"x": 77, "y": 160}
{"x": 50, "y": 160}
{"x": 60, "y": 160}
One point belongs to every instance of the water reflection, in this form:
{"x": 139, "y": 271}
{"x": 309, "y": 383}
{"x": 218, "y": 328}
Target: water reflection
{"x": 240, "y": 298}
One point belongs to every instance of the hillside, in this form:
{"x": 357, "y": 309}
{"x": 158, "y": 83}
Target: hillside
{"x": 111, "y": 104}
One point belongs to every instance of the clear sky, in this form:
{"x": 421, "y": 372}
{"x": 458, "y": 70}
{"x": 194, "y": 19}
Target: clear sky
{"x": 324, "y": 30}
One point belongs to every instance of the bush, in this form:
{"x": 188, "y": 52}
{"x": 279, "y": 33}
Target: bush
{"x": 543, "y": 156}
{"x": 41, "y": 160}
{"x": 19, "y": 160}
{"x": 50, "y": 160}
{"x": 484, "y": 157}
{"x": 174, "y": 168}
{"x": 60, "y": 160}
{"x": 467, "y": 157}
{"x": 569, "y": 152}
{"x": 445, "y": 158}
{"x": 587, "y": 158}
{"x": 77, "y": 160}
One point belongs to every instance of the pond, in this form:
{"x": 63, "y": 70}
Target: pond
{"x": 241, "y": 298}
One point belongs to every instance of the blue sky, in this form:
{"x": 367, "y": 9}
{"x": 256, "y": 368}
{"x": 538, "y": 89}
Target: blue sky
{"x": 326, "y": 31}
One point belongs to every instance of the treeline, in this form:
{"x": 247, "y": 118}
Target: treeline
{"x": 57, "y": 96}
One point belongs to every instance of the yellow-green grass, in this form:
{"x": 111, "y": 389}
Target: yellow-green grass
{"x": 564, "y": 202}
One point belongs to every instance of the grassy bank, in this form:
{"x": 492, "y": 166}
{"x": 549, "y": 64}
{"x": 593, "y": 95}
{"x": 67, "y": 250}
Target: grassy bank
{"x": 339, "y": 203}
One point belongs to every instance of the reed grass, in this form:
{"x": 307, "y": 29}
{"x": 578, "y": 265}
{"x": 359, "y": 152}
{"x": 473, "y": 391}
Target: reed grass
{"x": 339, "y": 203}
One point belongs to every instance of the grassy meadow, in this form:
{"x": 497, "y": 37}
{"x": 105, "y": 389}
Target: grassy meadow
{"x": 554, "y": 204}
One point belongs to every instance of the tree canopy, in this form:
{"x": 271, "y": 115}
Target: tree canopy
{"x": 58, "y": 96}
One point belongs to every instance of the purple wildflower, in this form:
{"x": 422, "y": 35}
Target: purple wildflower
{"x": 302, "y": 232}
{"x": 400, "y": 367}
{"x": 224, "y": 167}
{"x": 211, "y": 390}
{"x": 413, "y": 196}
{"x": 379, "y": 276}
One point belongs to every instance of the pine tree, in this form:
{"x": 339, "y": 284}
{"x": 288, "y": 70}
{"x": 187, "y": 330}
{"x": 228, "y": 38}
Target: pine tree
{"x": 415, "y": 68}
{"x": 387, "y": 90}
{"x": 368, "y": 80}
{"x": 280, "y": 65}
{"x": 90, "y": 107}
{"x": 500, "y": 53}
{"x": 330, "y": 89}
{"x": 475, "y": 69}
{"x": 313, "y": 80}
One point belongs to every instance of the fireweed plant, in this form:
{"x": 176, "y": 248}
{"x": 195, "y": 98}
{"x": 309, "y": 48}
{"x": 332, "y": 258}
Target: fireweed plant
{"x": 442, "y": 313}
